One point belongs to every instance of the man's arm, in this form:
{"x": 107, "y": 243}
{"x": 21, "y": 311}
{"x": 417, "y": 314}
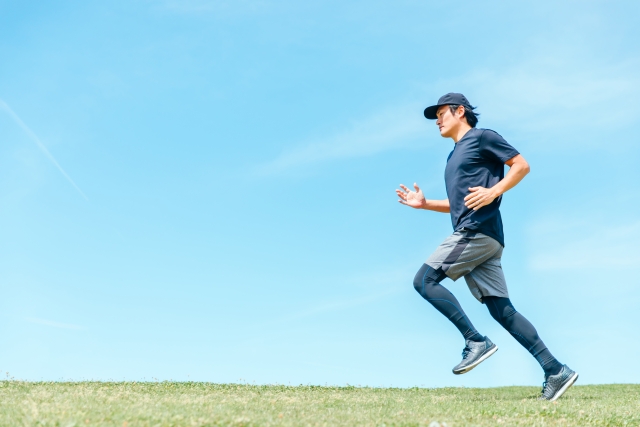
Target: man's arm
{"x": 416, "y": 200}
{"x": 480, "y": 196}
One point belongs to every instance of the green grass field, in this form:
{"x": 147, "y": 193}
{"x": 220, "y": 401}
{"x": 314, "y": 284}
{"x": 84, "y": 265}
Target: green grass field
{"x": 203, "y": 404}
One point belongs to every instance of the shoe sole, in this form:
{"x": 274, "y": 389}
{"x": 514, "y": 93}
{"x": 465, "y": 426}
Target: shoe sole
{"x": 484, "y": 357}
{"x": 565, "y": 387}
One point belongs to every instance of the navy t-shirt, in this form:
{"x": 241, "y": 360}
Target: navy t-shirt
{"x": 477, "y": 160}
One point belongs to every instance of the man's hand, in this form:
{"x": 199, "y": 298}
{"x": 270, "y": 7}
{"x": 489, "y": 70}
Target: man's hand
{"x": 414, "y": 199}
{"x": 479, "y": 197}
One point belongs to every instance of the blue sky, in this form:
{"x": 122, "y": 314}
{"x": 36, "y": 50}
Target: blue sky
{"x": 204, "y": 189}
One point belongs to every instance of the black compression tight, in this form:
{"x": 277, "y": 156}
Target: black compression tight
{"x": 427, "y": 283}
{"x": 523, "y": 331}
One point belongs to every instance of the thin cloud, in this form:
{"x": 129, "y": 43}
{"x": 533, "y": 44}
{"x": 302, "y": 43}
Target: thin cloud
{"x": 557, "y": 87}
{"x": 556, "y": 93}
{"x": 388, "y": 130}
{"x": 607, "y": 246}
{"x": 343, "y": 304}
{"x": 41, "y": 146}
{"x": 53, "y": 324}
{"x": 375, "y": 286}
{"x": 209, "y": 6}
{"x": 319, "y": 309}
{"x": 386, "y": 282}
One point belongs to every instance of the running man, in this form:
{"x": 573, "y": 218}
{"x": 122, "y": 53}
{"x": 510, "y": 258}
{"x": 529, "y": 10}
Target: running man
{"x": 475, "y": 182}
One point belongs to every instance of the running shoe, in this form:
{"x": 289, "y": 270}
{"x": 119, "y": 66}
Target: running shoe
{"x": 474, "y": 353}
{"x": 554, "y": 386}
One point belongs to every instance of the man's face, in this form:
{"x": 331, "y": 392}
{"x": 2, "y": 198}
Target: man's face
{"x": 448, "y": 122}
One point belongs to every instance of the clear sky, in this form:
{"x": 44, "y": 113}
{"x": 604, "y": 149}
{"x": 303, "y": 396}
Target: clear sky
{"x": 204, "y": 189}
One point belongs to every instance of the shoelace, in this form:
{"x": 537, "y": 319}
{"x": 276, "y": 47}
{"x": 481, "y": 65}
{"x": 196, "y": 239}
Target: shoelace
{"x": 544, "y": 386}
{"x": 545, "y": 392}
{"x": 465, "y": 352}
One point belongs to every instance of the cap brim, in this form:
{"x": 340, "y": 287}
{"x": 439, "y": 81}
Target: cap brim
{"x": 431, "y": 112}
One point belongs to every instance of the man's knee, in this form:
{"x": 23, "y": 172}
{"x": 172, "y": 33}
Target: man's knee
{"x": 501, "y": 309}
{"x": 418, "y": 281}
{"x": 427, "y": 277}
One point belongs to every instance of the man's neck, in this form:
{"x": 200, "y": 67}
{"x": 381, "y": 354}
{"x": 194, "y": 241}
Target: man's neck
{"x": 462, "y": 131}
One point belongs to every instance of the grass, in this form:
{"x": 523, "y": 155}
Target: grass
{"x": 131, "y": 404}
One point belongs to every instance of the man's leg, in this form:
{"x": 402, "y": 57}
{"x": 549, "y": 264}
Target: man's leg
{"x": 477, "y": 348}
{"x": 487, "y": 280}
{"x": 427, "y": 283}
{"x": 523, "y": 331}
{"x": 457, "y": 256}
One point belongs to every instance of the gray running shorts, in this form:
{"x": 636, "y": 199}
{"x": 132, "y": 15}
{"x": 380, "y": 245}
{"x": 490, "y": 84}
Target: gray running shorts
{"x": 475, "y": 256}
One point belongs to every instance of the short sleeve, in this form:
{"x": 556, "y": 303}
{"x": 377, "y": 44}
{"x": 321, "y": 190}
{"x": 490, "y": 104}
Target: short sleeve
{"x": 494, "y": 147}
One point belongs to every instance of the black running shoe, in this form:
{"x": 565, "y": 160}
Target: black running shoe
{"x": 474, "y": 353}
{"x": 555, "y": 385}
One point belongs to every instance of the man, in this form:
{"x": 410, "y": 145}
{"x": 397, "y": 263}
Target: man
{"x": 475, "y": 182}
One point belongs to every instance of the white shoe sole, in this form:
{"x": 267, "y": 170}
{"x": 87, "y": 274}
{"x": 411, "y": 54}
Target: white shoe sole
{"x": 477, "y": 362}
{"x": 564, "y": 388}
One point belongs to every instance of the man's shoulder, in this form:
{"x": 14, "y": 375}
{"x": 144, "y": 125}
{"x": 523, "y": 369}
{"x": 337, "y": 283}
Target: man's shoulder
{"x": 488, "y": 133}
{"x": 483, "y": 135}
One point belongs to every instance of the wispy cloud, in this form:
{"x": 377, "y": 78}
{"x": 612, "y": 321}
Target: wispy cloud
{"x": 337, "y": 305}
{"x": 374, "y": 286}
{"x": 391, "y": 129}
{"x": 52, "y": 324}
{"x": 585, "y": 245}
{"x": 208, "y": 6}
{"x": 544, "y": 93}
{"x": 561, "y": 86}
{"x": 342, "y": 304}
{"x": 41, "y": 146}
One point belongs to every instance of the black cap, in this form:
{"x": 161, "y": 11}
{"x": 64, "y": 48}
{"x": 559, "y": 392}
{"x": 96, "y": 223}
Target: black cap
{"x": 448, "y": 99}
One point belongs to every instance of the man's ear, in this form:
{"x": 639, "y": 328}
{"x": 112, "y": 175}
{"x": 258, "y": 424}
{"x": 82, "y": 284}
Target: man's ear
{"x": 460, "y": 112}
